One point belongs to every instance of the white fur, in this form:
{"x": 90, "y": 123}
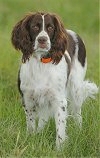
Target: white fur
{"x": 43, "y": 86}
{"x": 68, "y": 56}
{"x": 46, "y": 93}
{"x": 43, "y": 22}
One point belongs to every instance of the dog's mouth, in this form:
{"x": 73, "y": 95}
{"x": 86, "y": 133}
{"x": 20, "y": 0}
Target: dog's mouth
{"x": 42, "y": 48}
{"x": 42, "y": 45}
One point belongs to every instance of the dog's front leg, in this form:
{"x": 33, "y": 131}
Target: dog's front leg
{"x": 30, "y": 119}
{"x": 60, "y": 119}
{"x": 31, "y": 113}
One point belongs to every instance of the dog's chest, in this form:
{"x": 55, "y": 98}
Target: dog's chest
{"x": 43, "y": 80}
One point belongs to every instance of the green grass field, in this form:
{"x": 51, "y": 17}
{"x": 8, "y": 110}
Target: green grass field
{"x": 80, "y": 16}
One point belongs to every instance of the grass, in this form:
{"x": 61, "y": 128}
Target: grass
{"x": 81, "y": 17}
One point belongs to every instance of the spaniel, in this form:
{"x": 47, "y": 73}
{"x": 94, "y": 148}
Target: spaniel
{"x": 52, "y": 72}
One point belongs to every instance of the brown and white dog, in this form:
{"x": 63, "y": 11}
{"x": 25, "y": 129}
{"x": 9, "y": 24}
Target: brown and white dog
{"x": 52, "y": 71}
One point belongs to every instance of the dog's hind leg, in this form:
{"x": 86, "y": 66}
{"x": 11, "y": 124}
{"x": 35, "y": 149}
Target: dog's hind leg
{"x": 79, "y": 90}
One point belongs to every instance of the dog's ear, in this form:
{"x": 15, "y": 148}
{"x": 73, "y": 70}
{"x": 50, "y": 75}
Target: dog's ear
{"x": 21, "y": 38}
{"x": 60, "y": 40}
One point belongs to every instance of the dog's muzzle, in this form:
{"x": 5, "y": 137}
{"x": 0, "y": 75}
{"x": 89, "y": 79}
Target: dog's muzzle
{"x": 42, "y": 42}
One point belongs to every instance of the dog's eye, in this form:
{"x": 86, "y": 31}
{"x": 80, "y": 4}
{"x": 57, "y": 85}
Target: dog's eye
{"x": 50, "y": 28}
{"x": 36, "y": 28}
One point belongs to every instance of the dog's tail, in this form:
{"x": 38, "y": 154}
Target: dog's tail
{"x": 90, "y": 89}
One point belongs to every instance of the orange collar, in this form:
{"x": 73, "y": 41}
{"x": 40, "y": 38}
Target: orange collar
{"x": 46, "y": 60}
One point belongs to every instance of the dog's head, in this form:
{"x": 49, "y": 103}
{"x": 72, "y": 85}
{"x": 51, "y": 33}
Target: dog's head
{"x": 39, "y": 34}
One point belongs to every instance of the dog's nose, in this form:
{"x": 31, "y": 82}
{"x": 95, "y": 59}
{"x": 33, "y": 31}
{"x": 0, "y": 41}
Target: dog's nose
{"x": 42, "y": 39}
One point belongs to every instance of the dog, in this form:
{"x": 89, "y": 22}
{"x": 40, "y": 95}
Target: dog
{"x": 52, "y": 72}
